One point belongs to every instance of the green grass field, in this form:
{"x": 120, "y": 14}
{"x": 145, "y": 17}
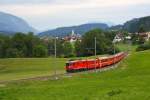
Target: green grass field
{"x": 18, "y": 68}
{"x": 130, "y": 81}
{"x": 126, "y": 47}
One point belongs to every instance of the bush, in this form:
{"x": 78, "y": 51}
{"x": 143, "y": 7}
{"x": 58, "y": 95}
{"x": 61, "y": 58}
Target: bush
{"x": 12, "y": 53}
{"x": 68, "y": 49}
{"x": 112, "y": 50}
{"x": 40, "y": 51}
{"x": 145, "y": 46}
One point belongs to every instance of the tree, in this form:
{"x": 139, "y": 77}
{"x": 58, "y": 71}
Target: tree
{"x": 68, "y": 49}
{"x": 134, "y": 38}
{"x": 110, "y": 34}
{"x": 1, "y": 46}
{"x": 59, "y": 47}
{"x": 20, "y": 45}
{"x": 78, "y": 48}
{"x": 88, "y": 43}
{"x": 18, "y": 42}
{"x": 31, "y": 41}
{"x": 141, "y": 40}
{"x": 13, "y": 53}
{"x": 141, "y": 29}
{"x": 145, "y": 46}
{"x": 50, "y": 47}
{"x": 40, "y": 51}
{"x": 5, "y": 43}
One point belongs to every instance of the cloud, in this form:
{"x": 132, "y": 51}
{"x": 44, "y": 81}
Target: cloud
{"x": 53, "y": 6}
{"x": 2, "y": 2}
{"x": 85, "y": 2}
{"x": 52, "y": 13}
{"x": 5, "y": 2}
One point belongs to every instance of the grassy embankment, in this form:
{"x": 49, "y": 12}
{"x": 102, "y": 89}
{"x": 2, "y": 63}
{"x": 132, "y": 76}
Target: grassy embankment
{"x": 19, "y": 68}
{"x": 130, "y": 81}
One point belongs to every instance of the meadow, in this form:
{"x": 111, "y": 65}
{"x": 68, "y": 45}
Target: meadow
{"x": 129, "y": 81}
{"x": 23, "y": 68}
{"x": 18, "y": 68}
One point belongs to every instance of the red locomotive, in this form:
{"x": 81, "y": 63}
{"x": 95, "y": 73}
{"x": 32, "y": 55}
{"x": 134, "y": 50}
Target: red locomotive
{"x": 79, "y": 65}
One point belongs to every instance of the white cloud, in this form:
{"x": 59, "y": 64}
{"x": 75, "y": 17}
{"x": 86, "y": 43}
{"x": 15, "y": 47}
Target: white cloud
{"x": 54, "y": 8}
{"x": 51, "y": 13}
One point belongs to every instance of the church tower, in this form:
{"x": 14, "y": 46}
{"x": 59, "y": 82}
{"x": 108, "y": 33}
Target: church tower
{"x": 72, "y": 33}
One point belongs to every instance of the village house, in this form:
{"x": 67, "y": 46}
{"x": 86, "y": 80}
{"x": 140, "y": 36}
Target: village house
{"x": 145, "y": 36}
{"x": 72, "y": 37}
{"x": 120, "y": 37}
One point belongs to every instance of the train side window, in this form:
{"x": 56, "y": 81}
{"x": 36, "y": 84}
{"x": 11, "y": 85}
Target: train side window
{"x": 104, "y": 60}
{"x": 67, "y": 64}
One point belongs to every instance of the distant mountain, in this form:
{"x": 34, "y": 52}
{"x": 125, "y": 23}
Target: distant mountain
{"x": 110, "y": 24}
{"x": 10, "y": 24}
{"x": 117, "y": 27}
{"x": 81, "y": 29}
{"x": 135, "y": 24}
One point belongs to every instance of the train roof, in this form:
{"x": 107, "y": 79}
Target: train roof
{"x": 73, "y": 61}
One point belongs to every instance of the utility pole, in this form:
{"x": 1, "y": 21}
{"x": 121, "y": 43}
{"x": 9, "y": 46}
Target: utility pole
{"x": 55, "y": 46}
{"x": 95, "y": 54}
{"x": 95, "y": 46}
{"x": 114, "y": 53}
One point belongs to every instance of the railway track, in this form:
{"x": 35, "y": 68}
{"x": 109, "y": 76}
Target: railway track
{"x": 58, "y": 76}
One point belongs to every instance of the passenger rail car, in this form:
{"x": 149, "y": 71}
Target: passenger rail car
{"x": 89, "y": 64}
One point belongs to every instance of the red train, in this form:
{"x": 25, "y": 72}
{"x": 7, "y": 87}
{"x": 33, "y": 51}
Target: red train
{"x": 80, "y": 65}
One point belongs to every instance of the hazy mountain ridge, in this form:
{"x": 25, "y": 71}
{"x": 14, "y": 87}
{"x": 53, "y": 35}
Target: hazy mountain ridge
{"x": 131, "y": 26}
{"x": 134, "y": 24}
{"x": 80, "y": 29}
{"x": 117, "y": 27}
{"x": 12, "y": 24}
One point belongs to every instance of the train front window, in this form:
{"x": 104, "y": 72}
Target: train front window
{"x": 67, "y": 64}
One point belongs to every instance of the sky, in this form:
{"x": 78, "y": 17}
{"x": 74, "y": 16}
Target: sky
{"x": 49, "y": 14}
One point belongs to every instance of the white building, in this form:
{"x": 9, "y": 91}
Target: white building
{"x": 145, "y": 35}
{"x": 73, "y": 37}
{"x": 118, "y": 38}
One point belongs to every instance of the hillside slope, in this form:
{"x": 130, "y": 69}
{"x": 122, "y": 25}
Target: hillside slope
{"x": 130, "y": 81}
{"x": 10, "y": 24}
{"x": 134, "y": 25}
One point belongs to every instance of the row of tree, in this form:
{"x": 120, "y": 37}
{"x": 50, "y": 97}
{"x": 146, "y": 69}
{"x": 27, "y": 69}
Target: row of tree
{"x": 22, "y": 45}
{"x": 104, "y": 44}
{"x": 29, "y": 45}
{"x": 145, "y": 46}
